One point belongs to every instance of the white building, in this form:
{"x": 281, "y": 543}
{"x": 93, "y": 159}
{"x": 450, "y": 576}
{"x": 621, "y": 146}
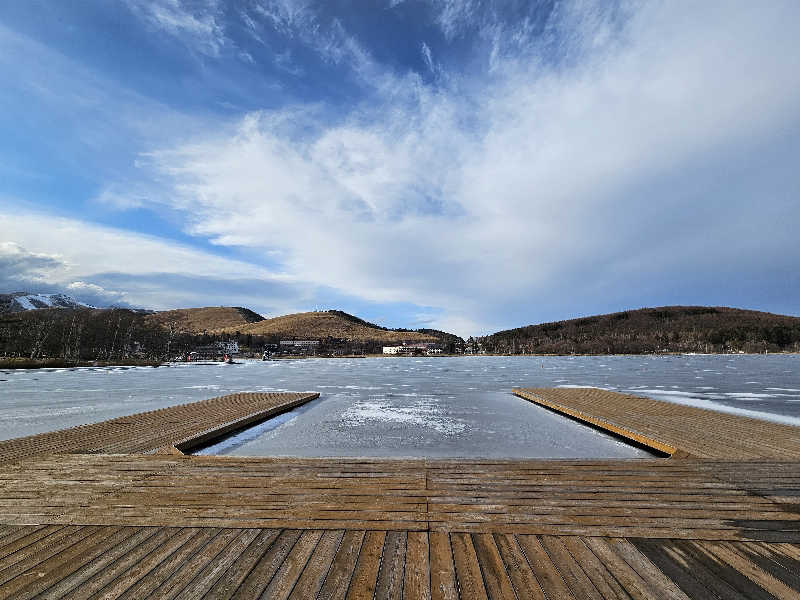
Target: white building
{"x": 413, "y": 349}
{"x": 300, "y": 343}
{"x": 228, "y": 347}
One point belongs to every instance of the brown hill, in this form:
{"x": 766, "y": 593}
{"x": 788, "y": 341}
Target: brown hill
{"x": 663, "y": 329}
{"x": 210, "y": 319}
{"x": 333, "y": 324}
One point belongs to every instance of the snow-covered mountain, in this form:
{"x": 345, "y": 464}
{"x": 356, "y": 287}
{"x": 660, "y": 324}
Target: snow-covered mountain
{"x": 21, "y": 301}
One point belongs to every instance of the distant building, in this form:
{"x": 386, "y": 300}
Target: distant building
{"x": 216, "y": 349}
{"x": 300, "y": 343}
{"x": 299, "y": 346}
{"x": 413, "y": 349}
{"x": 229, "y": 347}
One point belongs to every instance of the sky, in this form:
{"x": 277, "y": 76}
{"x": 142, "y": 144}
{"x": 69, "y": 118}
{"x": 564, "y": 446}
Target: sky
{"x": 456, "y": 164}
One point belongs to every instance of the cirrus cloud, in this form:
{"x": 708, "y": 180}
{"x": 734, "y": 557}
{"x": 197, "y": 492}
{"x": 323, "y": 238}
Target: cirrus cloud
{"x": 531, "y": 181}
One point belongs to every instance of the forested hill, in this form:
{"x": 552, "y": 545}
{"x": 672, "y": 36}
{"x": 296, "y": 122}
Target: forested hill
{"x": 334, "y": 324}
{"x": 663, "y": 329}
{"x": 80, "y": 334}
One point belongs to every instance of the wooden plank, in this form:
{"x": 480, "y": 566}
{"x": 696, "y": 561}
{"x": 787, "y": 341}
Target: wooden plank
{"x": 260, "y": 576}
{"x": 543, "y": 568}
{"x": 362, "y": 585}
{"x": 106, "y": 559}
{"x": 190, "y": 491}
{"x": 657, "y": 585}
{"x": 389, "y": 585}
{"x": 599, "y": 573}
{"x": 753, "y": 572}
{"x": 495, "y": 577}
{"x": 443, "y": 573}
{"x": 769, "y": 558}
{"x": 723, "y": 571}
{"x": 575, "y": 577}
{"x": 41, "y": 550}
{"x": 417, "y": 584}
{"x": 292, "y": 567}
{"x": 316, "y": 570}
{"x": 112, "y": 581}
{"x": 339, "y": 575}
{"x": 704, "y": 571}
{"x": 206, "y": 579}
{"x": 188, "y": 570}
{"x": 24, "y": 537}
{"x": 468, "y": 571}
{"x": 230, "y": 581}
{"x": 681, "y": 573}
{"x": 14, "y": 532}
{"x": 522, "y": 578}
{"x": 167, "y": 564}
{"x": 29, "y": 582}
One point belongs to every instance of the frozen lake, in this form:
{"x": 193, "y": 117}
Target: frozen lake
{"x": 408, "y": 406}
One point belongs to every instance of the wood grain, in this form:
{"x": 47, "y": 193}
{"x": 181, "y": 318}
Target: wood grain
{"x": 83, "y": 516}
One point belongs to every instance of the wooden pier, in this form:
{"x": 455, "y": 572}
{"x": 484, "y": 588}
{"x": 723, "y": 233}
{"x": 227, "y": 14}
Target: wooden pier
{"x": 675, "y": 429}
{"x": 129, "y": 516}
{"x": 179, "y": 428}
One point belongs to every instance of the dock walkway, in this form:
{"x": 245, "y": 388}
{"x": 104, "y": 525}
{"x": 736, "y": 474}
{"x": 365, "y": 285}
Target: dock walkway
{"x": 181, "y": 427}
{"x": 675, "y": 429}
{"x": 100, "y": 524}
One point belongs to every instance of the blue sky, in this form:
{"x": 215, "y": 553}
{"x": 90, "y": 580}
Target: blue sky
{"x": 457, "y": 164}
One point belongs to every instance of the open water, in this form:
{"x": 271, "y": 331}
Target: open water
{"x": 435, "y": 407}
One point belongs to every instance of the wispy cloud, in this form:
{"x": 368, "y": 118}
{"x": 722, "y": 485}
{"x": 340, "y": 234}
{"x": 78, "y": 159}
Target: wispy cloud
{"x": 113, "y": 265}
{"x": 427, "y": 56}
{"x": 197, "y": 24}
{"x": 17, "y": 264}
{"x": 542, "y": 185}
{"x": 301, "y": 21}
{"x": 72, "y": 110}
{"x": 582, "y": 156}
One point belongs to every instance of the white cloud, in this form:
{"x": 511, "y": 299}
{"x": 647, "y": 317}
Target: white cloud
{"x": 197, "y": 23}
{"x": 535, "y": 182}
{"x": 18, "y": 264}
{"x": 121, "y": 266}
{"x": 455, "y": 15}
{"x": 300, "y": 20}
{"x": 428, "y": 57}
{"x": 638, "y": 148}
{"x": 95, "y": 295}
{"x": 81, "y": 108}
{"x": 117, "y": 198}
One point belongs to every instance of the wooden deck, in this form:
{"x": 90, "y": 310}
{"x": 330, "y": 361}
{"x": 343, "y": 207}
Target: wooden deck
{"x": 176, "y": 562}
{"x": 91, "y": 524}
{"x": 676, "y": 429}
{"x": 180, "y": 427}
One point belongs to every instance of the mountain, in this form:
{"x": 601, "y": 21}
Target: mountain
{"x": 210, "y": 319}
{"x": 319, "y": 325}
{"x": 22, "y": 301}
{"x": 647, "y": 330}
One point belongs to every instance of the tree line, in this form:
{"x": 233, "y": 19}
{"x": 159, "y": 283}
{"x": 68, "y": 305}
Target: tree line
{"x": 74, "y": 336}
{"x": 654, "y": 330}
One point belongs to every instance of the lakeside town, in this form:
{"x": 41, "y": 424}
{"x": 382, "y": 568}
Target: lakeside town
{"x": 42, "y": 331}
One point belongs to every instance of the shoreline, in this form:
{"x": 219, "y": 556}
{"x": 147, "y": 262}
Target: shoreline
{"x": 60, "y": 363}
{"x": 10, "y": 364}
